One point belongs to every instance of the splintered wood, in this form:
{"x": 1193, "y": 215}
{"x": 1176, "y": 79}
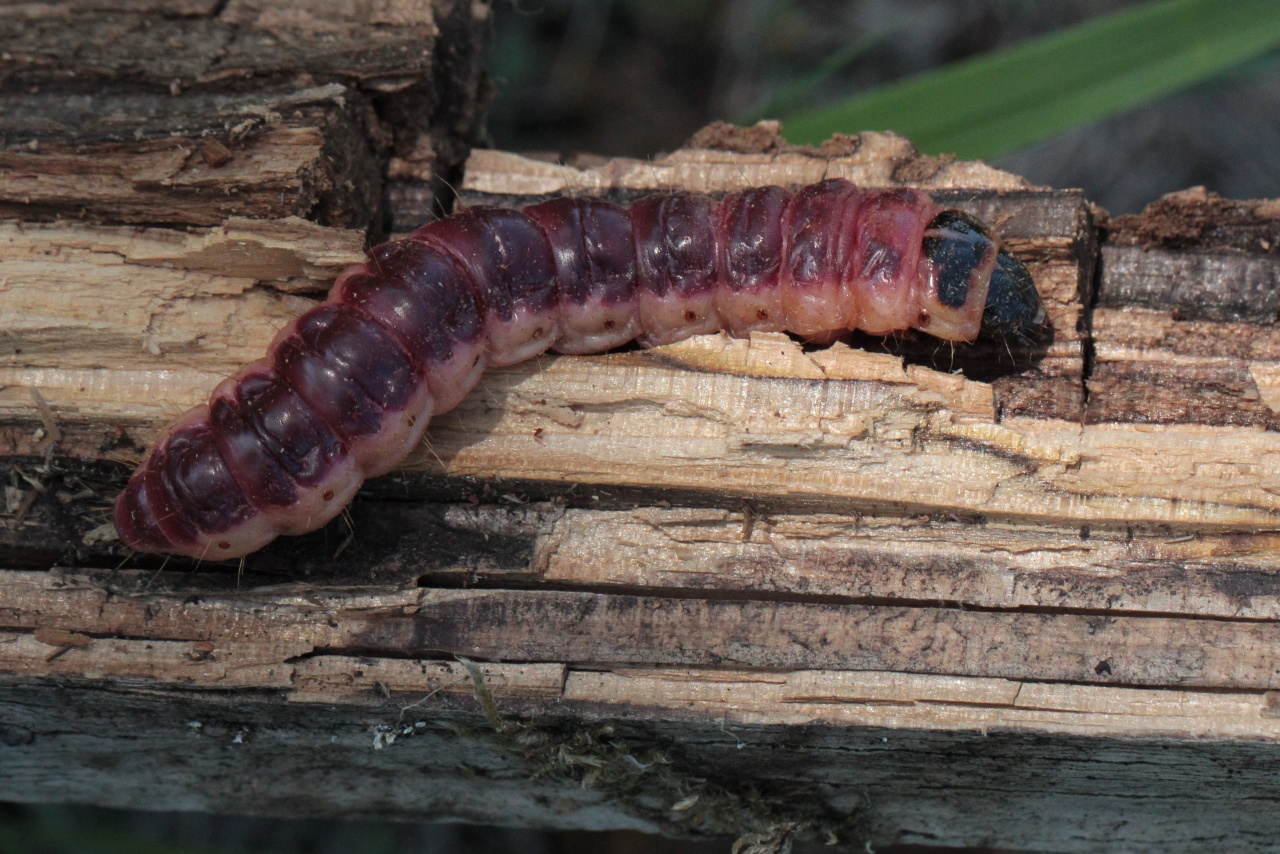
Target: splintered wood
{"x": 898, "y": 592}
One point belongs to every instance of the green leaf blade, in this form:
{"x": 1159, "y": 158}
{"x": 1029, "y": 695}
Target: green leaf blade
{"x": 1001, "y": 101}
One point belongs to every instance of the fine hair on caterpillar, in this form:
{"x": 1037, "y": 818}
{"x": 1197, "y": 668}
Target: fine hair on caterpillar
{"x": 347, "y": 389}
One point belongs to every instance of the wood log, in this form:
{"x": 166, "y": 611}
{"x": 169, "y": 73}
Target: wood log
{"x": 883, "y": 592}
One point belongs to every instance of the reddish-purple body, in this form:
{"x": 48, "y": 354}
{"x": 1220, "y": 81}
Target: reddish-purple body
{"x": 346, "y": 390}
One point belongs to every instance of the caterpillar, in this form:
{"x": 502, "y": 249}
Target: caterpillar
{"x": 346, "y": 390}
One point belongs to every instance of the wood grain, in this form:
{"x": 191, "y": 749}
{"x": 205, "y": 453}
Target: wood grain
{"x": 295, "y": 638}
{"x": 608, "y": 629}
{"x": 410, "y": 740}
{"x": 198, "y": 159}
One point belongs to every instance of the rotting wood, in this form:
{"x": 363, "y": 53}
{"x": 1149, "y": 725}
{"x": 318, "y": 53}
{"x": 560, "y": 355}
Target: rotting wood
{"x": 867, "y": 697}
{"x": 249, "y": 108}
{"x": 1041, "y": 609}
{"x": 1185, "y": 325}
{"x": 692, "y": 552}
{"x": 608, "y": 629}
{"x": 389, "y": 53}
{"x": 713, "y": 416}
{"x": 248, "y": 755}
{"x": 176, "y": 285}
{"x": 845, "y": 731}
{"x": 194, "y": 160}
{"x": 602, "y": 629}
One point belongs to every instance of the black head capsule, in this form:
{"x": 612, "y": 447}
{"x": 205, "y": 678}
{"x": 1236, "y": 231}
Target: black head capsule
{"x": 1014, "y": 309}
{"x": 961, "y": 253}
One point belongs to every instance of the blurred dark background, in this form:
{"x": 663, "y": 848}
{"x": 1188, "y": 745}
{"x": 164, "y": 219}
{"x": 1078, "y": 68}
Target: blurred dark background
{"x": 49, "y": 829}
{"x": 637, "y": 78}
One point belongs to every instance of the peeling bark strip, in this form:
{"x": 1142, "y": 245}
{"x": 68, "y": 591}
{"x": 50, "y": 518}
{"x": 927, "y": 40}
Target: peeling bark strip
{"x": 595, "y": 630}
{"x": 346, "y": 391}
{"x": 696, "y": 629}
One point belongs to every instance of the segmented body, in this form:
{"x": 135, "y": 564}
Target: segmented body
{"x": 346, "y": 390}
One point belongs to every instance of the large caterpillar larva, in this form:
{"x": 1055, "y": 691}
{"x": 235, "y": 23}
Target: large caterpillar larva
{"x": 346, "y": 390}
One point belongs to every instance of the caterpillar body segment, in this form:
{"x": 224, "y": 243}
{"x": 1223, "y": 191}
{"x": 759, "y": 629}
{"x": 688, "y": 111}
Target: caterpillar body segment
{"x": 347, "y": 389}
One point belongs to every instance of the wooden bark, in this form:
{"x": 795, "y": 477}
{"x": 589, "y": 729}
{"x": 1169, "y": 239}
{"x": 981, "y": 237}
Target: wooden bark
{"x": 890, "y": 592}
